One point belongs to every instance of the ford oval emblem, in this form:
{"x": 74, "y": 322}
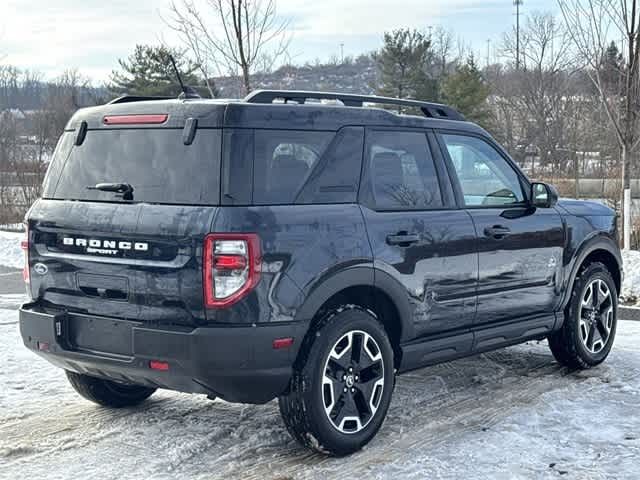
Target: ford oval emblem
{"x": 40, "y": 268}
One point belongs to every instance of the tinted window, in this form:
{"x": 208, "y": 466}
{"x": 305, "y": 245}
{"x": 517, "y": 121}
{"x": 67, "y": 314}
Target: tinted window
{"x": 486, "y": 178}
{"x": 283, "y": 161}
{"x": 402, "y": 171}
{"x": 336, "y": 176}
{"x": 156, "y": 163}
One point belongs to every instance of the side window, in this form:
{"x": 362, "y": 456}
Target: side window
{"x": 336, "y": 176}
{"x": 486, "y": 178}
{"x": 402, "y": 172}
{"x": 283, "y": 161}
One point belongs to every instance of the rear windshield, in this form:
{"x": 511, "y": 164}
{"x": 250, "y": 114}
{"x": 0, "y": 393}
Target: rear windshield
{"x": 155, "y": 162}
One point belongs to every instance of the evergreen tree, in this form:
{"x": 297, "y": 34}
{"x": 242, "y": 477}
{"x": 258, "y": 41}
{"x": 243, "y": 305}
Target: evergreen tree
{"x": 403, "y": 64}
{"x": 612, "y": 69}
{"x": 466, "y": 91}
{"x": 149, "y": 72}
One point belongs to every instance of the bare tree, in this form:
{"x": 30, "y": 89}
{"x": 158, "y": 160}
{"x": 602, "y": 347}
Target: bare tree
{"x": 443, "y": 43}
{"x": 534, "y": 101}
{"x": 592, "y": 25}
{"x": 232, "y": 36}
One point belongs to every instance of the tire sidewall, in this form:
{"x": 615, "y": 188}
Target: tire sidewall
{"x": 325, "y": 339}
{"x": 592, "y": 273}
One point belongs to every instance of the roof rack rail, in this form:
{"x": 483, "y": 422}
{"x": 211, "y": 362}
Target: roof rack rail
{"x": 136, "y": 98}
{"x": 431, "y": 110}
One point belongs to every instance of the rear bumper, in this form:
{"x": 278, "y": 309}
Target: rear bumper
{"x": 237, "y": 364}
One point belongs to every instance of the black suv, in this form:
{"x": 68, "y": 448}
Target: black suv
{"x": 301, "y": 245}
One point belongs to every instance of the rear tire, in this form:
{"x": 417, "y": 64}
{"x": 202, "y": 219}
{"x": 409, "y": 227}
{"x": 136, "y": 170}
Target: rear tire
{"x": 108, "y": 393}
{"x": 591, "y": 317}
{"x": 342, "y": 383}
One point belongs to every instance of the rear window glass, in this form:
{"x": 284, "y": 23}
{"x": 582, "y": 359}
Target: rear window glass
{"x": 283, "y": 161}
{"x": 155, "y": 162}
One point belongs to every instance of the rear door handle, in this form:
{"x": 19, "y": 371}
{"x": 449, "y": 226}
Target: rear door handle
{"x": 403, "y": 239}
{"x": 497, "y": 231}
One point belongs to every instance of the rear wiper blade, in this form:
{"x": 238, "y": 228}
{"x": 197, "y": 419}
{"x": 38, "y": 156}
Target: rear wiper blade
{"x": 125, "y": 188}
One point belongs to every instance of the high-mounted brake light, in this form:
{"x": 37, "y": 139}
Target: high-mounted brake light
{"x": 158, "y": 365}
{"x": 153, "y": 119}
{"x": 231, "y": 267}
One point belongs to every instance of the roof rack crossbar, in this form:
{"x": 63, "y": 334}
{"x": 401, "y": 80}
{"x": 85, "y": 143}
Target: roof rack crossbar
{"x": 432, "y": 110}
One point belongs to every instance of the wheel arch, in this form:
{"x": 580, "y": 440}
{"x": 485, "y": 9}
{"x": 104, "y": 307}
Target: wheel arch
{"x": 597, "y": 249}
{"x": 367, "y": 288}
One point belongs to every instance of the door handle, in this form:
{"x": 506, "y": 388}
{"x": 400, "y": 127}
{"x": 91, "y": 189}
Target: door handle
{"x": 402, "y": 239}
{"x": 497, "y": 231}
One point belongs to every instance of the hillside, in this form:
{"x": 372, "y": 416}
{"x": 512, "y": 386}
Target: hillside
{"x": 356, "y": 76}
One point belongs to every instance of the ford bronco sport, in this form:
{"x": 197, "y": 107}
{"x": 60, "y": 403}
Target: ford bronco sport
{"x": 303, "y": 246}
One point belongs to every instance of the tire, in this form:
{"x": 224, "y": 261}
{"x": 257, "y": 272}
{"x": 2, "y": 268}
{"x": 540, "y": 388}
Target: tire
{"x": 568, "y": 345}
{"x": 326, "y": 407}
{"x": 108, "y": 393}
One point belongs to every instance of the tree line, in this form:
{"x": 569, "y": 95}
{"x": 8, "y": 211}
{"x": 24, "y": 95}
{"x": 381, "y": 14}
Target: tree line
{"x": 563, "y": 98}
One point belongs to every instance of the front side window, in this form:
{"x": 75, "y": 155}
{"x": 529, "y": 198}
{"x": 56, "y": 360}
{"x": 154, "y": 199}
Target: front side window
{"x": 402, "y": 171}
{"x": 486, "y": 178}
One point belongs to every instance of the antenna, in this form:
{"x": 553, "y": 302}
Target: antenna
{"x": 187, "y": 92}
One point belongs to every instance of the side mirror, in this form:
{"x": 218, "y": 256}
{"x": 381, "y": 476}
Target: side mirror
{"x": 543, "y": 195}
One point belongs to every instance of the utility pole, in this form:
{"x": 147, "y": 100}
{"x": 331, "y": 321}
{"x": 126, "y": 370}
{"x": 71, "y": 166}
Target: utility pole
{"x": 341, "y": 53}
{"x": 488, "y": 52}
{"x": 518, "y": 3}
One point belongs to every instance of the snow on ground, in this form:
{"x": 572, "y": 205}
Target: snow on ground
{"x": 11, "y": 255}
{"x": 513, "y": 413}
{"x": 631, "y": 285}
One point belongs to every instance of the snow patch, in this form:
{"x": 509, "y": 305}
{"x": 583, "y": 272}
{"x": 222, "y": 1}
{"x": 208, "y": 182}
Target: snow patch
{"x": 11, "y": 254}
{"x": 526, "y": 418}
{"x": 630, "y": 292}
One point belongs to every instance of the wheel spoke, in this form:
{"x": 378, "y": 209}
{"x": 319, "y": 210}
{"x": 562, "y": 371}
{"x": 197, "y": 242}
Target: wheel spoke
{"x": 595, "y": 295}
{"x": 587, "y": 300}
{"x": 590, "y": 337}
{"x": 357, "y": 346}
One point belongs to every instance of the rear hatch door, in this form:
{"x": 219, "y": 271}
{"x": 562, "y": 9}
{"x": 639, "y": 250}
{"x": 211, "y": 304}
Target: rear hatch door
{"x": 132, "y": 253}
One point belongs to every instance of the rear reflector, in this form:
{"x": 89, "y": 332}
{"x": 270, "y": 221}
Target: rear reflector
{"x": 157, "y": 365}
{"x": 280, "y": 343}
{"x": 43, "y": 346}
{"x": 24, "y": 245}
{"x": 135, "y": 119}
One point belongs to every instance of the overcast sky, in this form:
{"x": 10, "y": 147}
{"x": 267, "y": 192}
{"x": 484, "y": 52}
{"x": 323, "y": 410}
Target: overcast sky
{"x": 52, "y": 35}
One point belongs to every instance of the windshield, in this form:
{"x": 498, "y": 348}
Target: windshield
{"x": 154, "y": 163}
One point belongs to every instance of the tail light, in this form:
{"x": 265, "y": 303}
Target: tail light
{"x": 24, "y": 244}
{"x": 231, "y": 266}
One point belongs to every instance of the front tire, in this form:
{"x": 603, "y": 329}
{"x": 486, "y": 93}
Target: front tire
{"x": 342, "y": 383}
{"x": 591, "y": 318}
{"x": 108, "y": 393}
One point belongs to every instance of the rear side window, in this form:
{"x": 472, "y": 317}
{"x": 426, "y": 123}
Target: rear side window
{"x": 292, "y": 167}
{"x": 401, "y": 171}
{"x": 155, "y": 162}
{"x": 283, "y": 161}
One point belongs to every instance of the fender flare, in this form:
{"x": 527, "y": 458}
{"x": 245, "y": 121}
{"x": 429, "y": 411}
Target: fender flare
{"x": 359, "y": 276}
{"x": 588, "y": 246}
